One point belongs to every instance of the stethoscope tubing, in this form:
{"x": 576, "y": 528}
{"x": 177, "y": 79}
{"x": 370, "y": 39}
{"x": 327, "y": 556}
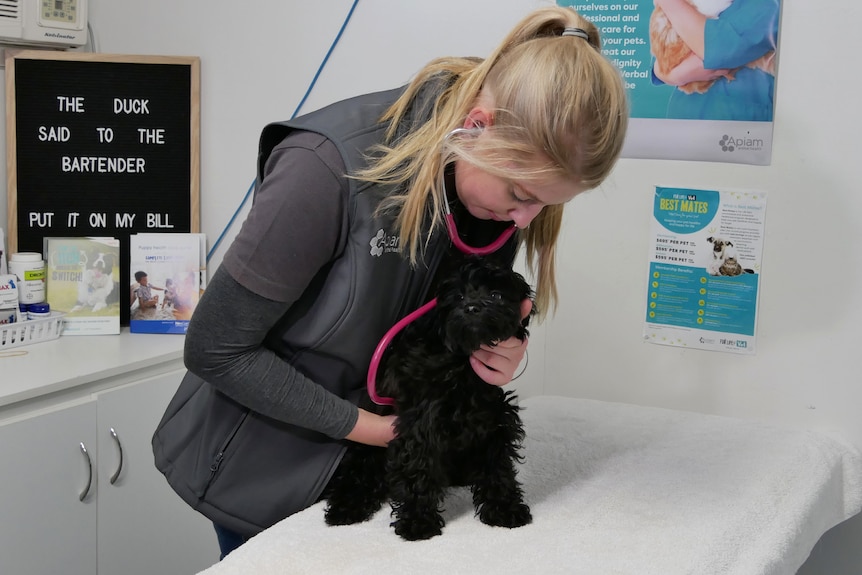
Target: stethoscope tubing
{"x": 381, "y": 349}
{"x": 463, "y": 247}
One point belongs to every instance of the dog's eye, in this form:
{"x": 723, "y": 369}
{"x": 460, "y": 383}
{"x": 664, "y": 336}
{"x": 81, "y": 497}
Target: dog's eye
{"x": 496, "y": 295}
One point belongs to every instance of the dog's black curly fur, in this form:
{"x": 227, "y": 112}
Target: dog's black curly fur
{"x": 453, "y": 429}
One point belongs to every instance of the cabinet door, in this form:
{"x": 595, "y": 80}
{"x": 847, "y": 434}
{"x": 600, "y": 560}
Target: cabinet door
{"x": 45, "y": 527}
{"x": 144, "y": 527}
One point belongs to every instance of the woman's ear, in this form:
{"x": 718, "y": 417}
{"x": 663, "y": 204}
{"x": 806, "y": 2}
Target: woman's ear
{"x": 478, "y": 117}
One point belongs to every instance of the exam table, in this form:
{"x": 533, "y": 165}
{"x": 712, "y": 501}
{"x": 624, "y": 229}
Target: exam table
{"x": 614, "y": 489}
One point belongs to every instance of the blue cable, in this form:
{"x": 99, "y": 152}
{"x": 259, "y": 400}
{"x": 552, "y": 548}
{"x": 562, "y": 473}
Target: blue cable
{"x": 295, "y": 112}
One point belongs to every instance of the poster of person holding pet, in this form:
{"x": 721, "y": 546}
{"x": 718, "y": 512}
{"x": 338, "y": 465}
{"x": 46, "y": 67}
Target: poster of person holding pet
{"x": 700, "y": 74}
{"x": 704, "y": 269}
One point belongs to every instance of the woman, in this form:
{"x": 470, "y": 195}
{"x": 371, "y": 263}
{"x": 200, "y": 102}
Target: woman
{"x": 345, "y": 237}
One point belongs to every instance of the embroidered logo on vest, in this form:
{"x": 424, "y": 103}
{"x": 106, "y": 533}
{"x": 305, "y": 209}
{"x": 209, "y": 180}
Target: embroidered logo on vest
{"x": 384, "y": 243}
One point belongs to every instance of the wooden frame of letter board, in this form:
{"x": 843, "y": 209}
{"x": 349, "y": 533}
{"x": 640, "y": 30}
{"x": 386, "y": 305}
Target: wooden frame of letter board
{"x": 68, "y": 101}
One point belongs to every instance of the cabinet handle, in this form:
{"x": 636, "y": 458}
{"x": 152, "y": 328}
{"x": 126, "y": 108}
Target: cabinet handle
{"x": 86, "y": 490}
{"x": 119, "y": 469}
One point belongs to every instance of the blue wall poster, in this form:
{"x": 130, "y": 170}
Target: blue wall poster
{"x": 700, "y": 75}
{"x": 704, "y": 269}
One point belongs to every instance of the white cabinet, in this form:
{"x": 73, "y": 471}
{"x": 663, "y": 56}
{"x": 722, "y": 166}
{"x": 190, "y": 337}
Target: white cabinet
{"x": 135, "y": 525}
{"x": 44, "y": 526}
{"x": 144, "y": 527}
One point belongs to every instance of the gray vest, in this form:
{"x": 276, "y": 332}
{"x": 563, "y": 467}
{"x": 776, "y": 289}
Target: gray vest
{"x": 246, "y": 471}
{"x": 333, "y": 329}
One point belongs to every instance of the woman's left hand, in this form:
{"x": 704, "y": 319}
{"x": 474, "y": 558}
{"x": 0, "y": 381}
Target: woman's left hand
{"x": 497, "y": 364}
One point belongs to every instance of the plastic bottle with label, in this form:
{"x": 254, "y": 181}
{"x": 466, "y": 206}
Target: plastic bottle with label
{"x": 29, "y": 267}
{"x": 38, "y": 311}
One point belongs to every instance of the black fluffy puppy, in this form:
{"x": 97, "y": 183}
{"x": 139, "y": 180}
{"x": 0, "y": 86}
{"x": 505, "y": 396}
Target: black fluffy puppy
{"x": 453, "y": 428}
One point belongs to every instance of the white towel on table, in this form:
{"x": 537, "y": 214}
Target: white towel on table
{"x": 614, "y": 489}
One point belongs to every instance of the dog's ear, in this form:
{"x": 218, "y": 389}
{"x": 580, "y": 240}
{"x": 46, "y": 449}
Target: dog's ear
{"x": 710, "y": 239}
{"x": 728, "y": 243}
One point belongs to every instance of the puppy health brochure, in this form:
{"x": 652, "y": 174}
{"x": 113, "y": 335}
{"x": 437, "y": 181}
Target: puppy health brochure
{"x": 83, "y": 280}
{"x": 705, "y": 260}
{"x": 167, "y": 276}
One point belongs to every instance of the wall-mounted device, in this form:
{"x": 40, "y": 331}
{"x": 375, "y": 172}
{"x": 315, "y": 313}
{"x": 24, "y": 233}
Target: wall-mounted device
{"x": 54, "y": 23}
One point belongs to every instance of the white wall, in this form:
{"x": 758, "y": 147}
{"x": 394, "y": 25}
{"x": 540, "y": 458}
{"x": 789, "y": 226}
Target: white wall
{"x": 259, "y": 57}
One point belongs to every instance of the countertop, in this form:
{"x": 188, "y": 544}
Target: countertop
{"x": 39, "y": 369}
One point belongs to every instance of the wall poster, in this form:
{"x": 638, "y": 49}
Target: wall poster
{"x": 716, "y": 106}
{"x": 705, "y": 262}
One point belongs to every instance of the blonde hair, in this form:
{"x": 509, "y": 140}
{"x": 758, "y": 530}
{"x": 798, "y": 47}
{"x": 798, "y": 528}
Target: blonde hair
{"x": 556, "y": 98}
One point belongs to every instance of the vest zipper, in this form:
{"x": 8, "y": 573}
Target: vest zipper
{"x": 219, "y": 457}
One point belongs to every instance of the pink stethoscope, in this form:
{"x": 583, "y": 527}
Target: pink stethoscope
{"x": 452, "y": 231}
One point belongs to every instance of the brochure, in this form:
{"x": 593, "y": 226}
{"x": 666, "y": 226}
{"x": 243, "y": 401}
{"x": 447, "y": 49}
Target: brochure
{"x": 167, "y": 276}
{"x": 83, "y": 281}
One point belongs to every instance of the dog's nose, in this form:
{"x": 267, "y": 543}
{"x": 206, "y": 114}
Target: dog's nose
{"x": 471, "y": 308}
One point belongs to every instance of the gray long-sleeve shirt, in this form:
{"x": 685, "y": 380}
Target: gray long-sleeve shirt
{"x": 291, "y": 232}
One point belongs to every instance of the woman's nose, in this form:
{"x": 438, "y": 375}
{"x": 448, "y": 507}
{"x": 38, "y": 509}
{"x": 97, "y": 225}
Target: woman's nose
{"x": 524, "y": 214}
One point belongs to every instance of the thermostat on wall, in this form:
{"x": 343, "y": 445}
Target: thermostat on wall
{"x": 58, "y": 23}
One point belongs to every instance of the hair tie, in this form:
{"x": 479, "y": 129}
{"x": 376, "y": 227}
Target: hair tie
{"x": 579, "y": 32}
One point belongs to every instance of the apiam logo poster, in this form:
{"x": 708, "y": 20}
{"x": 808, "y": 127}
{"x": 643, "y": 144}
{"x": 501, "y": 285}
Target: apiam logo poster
{"x": 705, "y": 92}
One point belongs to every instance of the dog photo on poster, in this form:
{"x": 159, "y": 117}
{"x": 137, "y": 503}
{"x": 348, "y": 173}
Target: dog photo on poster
{"x": 705, "y": 263}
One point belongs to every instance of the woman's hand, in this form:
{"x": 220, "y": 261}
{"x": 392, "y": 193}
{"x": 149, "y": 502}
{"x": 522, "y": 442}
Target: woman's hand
{"x": 372, "y": 429}
{"x": 497, "y": 364}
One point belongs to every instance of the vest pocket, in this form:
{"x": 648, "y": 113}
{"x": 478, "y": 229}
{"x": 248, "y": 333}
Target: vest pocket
{"x": 238, "y": 467}
{"x": 219, "y": 456}
{"x": 191, "y": 440}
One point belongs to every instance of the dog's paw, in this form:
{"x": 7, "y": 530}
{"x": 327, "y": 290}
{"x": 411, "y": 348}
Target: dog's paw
{"x": 347, "y": 515}
{"x": 418, "y": 529}
{"x": 99, "y": 306}
{"x": 512, "y": 515}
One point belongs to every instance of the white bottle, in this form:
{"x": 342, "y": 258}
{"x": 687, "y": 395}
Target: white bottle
{"x": 29, "y": 267}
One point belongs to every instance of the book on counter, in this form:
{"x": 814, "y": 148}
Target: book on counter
{"x": 167, "y": 277}
{"x": 82, "y": 280}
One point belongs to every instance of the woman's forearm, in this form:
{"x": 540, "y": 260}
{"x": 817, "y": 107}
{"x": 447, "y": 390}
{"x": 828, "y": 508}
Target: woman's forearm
{"x": 372, "y": 429}
{"x": 224, "y": 346}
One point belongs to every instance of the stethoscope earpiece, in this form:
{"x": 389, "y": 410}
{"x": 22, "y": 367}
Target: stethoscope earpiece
{"x": 474, "y": 131}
